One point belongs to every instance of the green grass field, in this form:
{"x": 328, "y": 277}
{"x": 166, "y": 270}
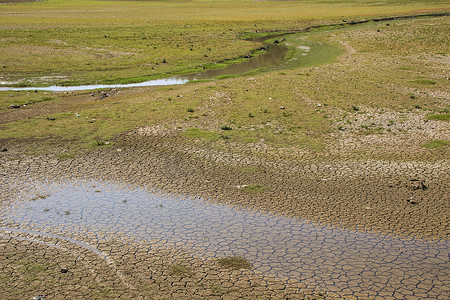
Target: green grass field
{"x": 394, "y": 65}
{"x": 80, "y": 42}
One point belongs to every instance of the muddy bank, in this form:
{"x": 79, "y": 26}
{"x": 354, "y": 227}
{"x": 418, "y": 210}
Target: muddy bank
{"x": 370, "y": 195}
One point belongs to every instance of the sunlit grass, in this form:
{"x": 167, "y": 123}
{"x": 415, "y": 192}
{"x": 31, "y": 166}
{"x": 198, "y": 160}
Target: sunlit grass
{"x": 439, "y": 117}
{"x": 436, "y": 144}
{"x": 371, "y": 65}
{"x": 130, "y": 41}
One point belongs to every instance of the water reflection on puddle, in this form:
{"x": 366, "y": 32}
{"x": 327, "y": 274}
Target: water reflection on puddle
{"x": 344, "y": 261}
{"x": 274, "y": 55}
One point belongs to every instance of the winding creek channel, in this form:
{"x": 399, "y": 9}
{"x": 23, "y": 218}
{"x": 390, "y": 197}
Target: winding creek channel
{"x": 273, "y": 55}
{"x": 330, "y": 259}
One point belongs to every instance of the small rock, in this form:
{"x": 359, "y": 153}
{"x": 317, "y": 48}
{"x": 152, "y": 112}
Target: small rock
{"x": 51, "y": 119}
{"x": 39, "y": 297}
{"x": 419, "y": 184}
{"x": 4, "y": 150}
{"x": 242, "y": 186}
{"x": 64, "y": 270}
{"x": 14, "y": 106}
{"x": 104, "y": 95}
{"x": 411, "y": 201}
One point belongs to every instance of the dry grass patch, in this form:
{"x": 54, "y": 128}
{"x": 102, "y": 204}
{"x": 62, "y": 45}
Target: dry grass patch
{"x": 235, "y": 262}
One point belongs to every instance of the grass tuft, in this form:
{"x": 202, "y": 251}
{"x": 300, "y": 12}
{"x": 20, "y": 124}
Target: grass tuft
{"x": 235, "y": 262}
{"x": 196, "y": 133}
{"x": 424, "y": 81}
{"x": 253, "y": 188}
{"x": 436, "y": 144}
{"x": 180, "y": 270}
{"x": 439, "y": 117}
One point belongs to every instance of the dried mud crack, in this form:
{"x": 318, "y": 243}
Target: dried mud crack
{"x": 403, "y": 198}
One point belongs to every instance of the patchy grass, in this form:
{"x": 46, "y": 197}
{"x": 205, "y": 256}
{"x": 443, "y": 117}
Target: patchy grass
{"x": 31, "y": 271}
{"x": 436, "y": 144}
{"x": 253, "y": 188}
{"x": 180, "y": 270}
{"x": 79, "y": 42}
{"x": 439, "y": 117}
{"x": 195, "y": 133}
{"x": 305, "y": 51}
{"x": 113, "y": 54}
{"x": 10, "y": 99}
{"x": 249, "y": 169}
{"x": 235, "y": 262}
{"x": 289, "y": 107}
{"x": 66, "y": 155}
{"x": 424, "y": 81}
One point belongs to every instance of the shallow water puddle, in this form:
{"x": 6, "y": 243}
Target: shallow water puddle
{"x": 343, "y": 261}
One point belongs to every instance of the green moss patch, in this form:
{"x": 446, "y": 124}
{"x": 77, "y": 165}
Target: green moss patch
{"x": 180, "y": 270}
{"x": 439, "y": 117}
{"x": 436, "y": 144}
{"x": 196, "y": 133}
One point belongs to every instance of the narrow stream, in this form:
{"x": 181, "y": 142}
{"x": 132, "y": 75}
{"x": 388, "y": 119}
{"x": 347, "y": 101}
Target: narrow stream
{"x": 273, "y": 55}
{"x": 347, "y": 262}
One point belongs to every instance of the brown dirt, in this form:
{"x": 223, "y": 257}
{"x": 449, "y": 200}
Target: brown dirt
{"x": 33, "y": 266}
{"x": 377, "y": 195}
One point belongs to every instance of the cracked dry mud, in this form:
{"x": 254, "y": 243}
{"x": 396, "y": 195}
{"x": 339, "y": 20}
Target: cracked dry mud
{"x": 386, "y": 236}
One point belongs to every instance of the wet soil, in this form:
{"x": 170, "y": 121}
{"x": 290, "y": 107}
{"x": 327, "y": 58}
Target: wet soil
{"x": 36, "y": 265}
{"x": 343, "y": 261}
{"x": 406, "y": 198}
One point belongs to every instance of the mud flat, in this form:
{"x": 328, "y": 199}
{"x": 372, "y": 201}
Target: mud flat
{"x": 350, "y": 263}
{"x": 196, "y": 209}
